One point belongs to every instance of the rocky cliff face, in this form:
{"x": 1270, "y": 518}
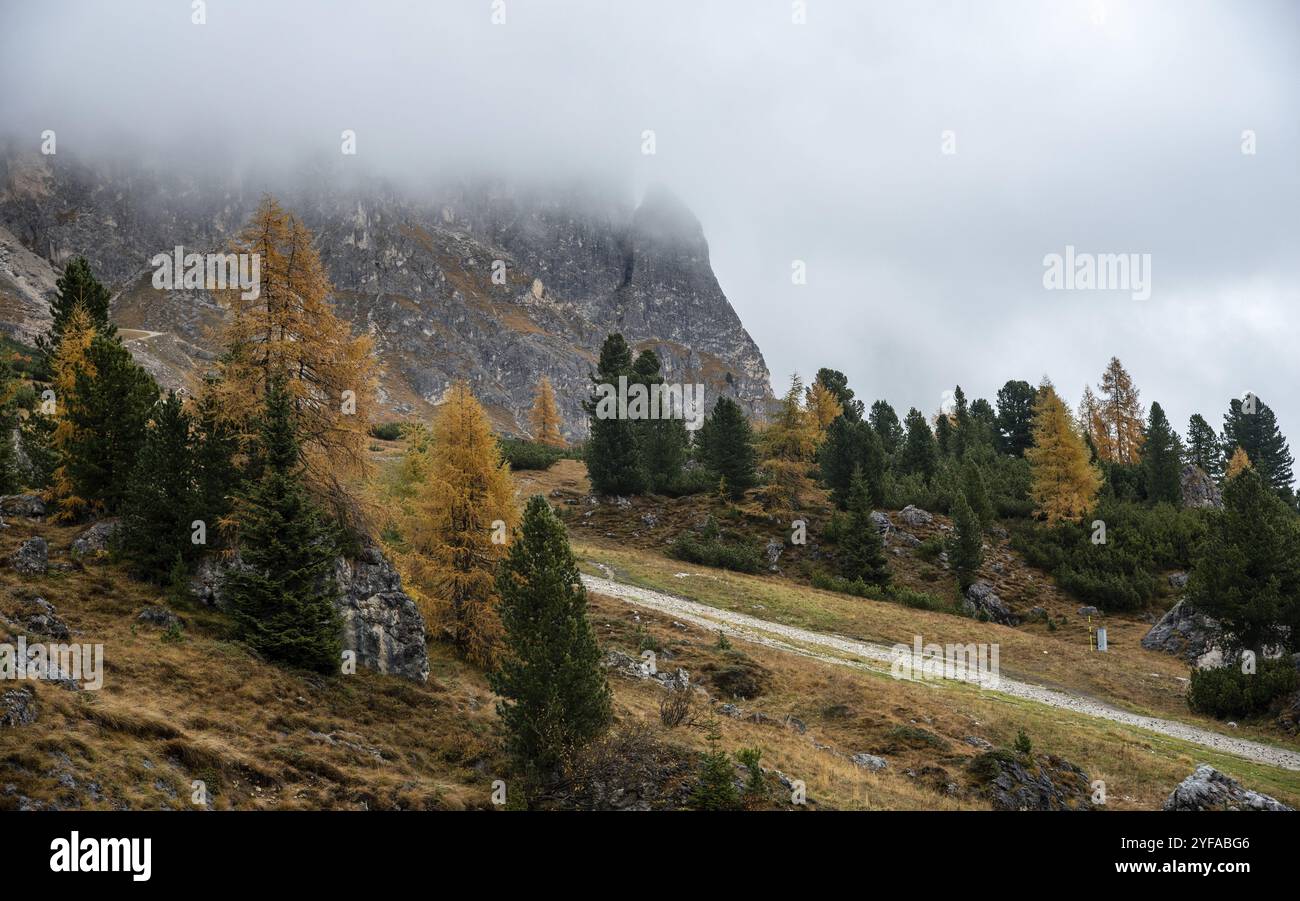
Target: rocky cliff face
{"x": 412, "y": 269}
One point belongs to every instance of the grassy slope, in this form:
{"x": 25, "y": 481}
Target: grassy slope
{"x": 261, "y": 737}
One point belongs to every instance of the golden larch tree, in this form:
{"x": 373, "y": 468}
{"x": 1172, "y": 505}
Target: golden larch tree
{"x": 290, "y": 330}
{"x": 788, "y": 444}
{"x": 1064, "y": 481}
{"x": 72, "y": 357}
{"x": 455, "y": 524}
{"x": 545, "y": 416}
{"x": 1121, "y": 421}
{"x": 1239, "y": 462}
{"x": 823, "y": 406}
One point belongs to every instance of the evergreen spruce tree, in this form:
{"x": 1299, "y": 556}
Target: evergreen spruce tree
{"x": 160, "y": 502}
{"x": 1161, "y": 459}
{"x": 920, "y": 452}
{"x": 1246, "y": 573}
{"x": 661, "y": 442}
{"x": 1015, "y": 419}
{"x": 961, "y": 437}
{"x": 217, "y": 476}
{"x": 107, "y": 414}
{"x": 1258, "y": 435}
{"x": 716, "y": 789}
{"x": 861, "y": 550}
{"x": 283, "y": 595}
{"x": 613, "y": 461}
{"x": 852, "y": 446}
{"x": 885, "y": 421}
{"x": 943, "y": 434}
{"x": 1204, "y": 448}
{"x": 966, "y": 547}
{"x": 977, "y": 494}
{"x": 555, "y": 696}
{"x": 76, "y": 287}
{"x": 983, "y": 427}
{"x": 728, "y": 448}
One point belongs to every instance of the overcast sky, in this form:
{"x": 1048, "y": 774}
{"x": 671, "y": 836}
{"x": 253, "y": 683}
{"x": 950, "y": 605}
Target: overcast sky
{"x": 1115, "y": 127}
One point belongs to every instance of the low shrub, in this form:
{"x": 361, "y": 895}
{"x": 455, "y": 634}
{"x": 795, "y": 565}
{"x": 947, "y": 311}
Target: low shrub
{"x": 1226, "y": 691}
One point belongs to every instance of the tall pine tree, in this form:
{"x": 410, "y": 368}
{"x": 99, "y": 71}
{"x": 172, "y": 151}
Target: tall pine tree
{"x": 1246, "y": 573}
{"x": 920, "y": 453}
{"x": 283, "y": 594}
{"x": 1257, "y": 433}
{"x": 861, "y": 551}
{"x": 1203, "y": 447}
{"x": 77, "y": 287}
{"x": 885, "y": 421}
{"x": 727, "y": 447}
{"x": 1015, "y": 419}
{"x": 555, "y": 698}
{"x": 613, "y": 461}
{"x": 161, "y": 498}
{"x": 1161, "y": 459}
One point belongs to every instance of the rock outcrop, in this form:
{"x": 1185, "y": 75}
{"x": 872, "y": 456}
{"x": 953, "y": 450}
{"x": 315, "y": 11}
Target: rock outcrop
{"x": 1012, "y": 781}
{"x": 30, "y": 506}
{"x": 981, "y": 601}
{"x": 32, "y": 557}
{"x": 1199, "y": 489}
{"x": 1208, "y": 789}
{"x": 17, "y": 707}
{"x": 96, "y": 539}
{"x": 1183, "y": 632}
{"x": 381, "y": 623}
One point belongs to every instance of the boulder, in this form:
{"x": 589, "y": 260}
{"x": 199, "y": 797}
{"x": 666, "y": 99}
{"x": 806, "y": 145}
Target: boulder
{"x": 381, "y": 622}
{"x": 1178, "y": 581}
{"x": 1183, "y": 632}
{"x": 96, "y": 539}
{"x": 914, "y": 516}
{"x": 981, "y": 598}
{"x": 1012, "y": 781}
{"x": 32, "y": 558}
{"x": 869, "y": 762}
{"x": 773, "y": 552}
{"x": 17, "y": 707}
{"x": 881, "y": 522}
{"x": 160, "y": 617}
{"x": 38, "y": 616}
{"x": 29, "y": 505}
{"x": 1089, "y": 611}
{"x": 1199, "y": 489}
{"x": 1208, "y": 789}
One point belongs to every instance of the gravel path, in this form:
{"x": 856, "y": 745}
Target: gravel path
{"x": 769, "y": 634}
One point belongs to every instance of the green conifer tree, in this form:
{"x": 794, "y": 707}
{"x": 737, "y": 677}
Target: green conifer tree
{"x": 966, "y": 547}
{"x": 283, "y": 595}
{"x": 920, "y": 452}
{"x": 1162, "y": 459}
{"x": 613, "y": 460}
{"x": 861, "y": 551}
{"x": 555, "y": 695}
{"x": 159, "y": 506}
{"x": 728, "y": 447}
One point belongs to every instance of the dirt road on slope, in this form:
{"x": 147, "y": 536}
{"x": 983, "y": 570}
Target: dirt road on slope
{"x": 837, "y": 650}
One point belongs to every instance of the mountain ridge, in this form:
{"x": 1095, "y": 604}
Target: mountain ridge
{"x": 412, "y": 268}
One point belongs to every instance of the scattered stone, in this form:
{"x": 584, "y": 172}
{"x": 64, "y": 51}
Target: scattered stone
{"x": 906, "y": 539}
{"x": 1199, "y": 489}
{"x": 1014, "y": 782}
{"x": 30, "y": 506}
{"x": 160, "y": 617}
{"x": 1183, "y": 632}
{"x": 1037, "y": 614}
{"x": 976, "y": 742}
{"x": 796, "y": 724}
{"x": 1089, "y": 611}
{"x": 773, "y": 551}
{"x": 38, "y": 616}
{"x": 96, "y": 539}
{"x": 1208, "y": 789}
{"x": 1178, "y": 580}
{"x": 869, "y": 762}
{"x": 17, "y": 707}
{"x": 32, "y": 558}
{"x": 914, "y": 516}
{"x": 981, "y": 598}
{"x": 650, "y": 519}
{"x": 640, "y": 669}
